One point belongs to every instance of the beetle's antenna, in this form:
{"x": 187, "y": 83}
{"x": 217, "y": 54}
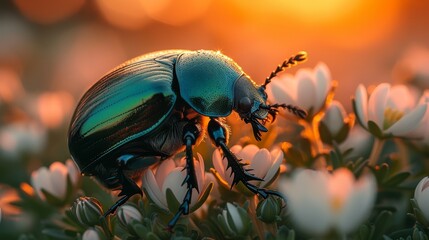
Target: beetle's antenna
{"x": 292, "y": 61}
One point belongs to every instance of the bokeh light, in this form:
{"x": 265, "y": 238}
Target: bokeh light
{"x": 130, "y": 16}
{"x": 176, "y": 13}
{"x": 48, "y": 11}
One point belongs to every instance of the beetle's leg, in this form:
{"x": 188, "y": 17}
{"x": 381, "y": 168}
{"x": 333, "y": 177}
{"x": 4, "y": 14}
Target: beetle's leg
{"x": 190, "y": 134}
{"x": 218, "y": 134}
{"x": 129, "y": 188}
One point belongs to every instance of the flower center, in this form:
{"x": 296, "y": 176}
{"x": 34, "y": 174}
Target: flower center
{"x": 337, "y": 204}
{"x": 391, "y": 116}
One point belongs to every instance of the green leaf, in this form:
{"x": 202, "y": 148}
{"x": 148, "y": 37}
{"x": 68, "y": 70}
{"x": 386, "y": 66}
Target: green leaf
{"x": 324, "y": 133}
{"x": 335, "y": 160}
{"x": 203, "y": 197}
{"x": 381, "y": 223}
{"x": 374, "y": 129}
{"x": 295, "y": 155}
{"x": 58, "y": 234}
{"x": 152, "y": 236}
{"x": 343, "y": 133}
{"x": 420, "y": 217}
{"x": 139, "y": 230}
{"x": 172, "y": 202}
{"x": 396, "y": 179}
{"x": 364, "y": 232}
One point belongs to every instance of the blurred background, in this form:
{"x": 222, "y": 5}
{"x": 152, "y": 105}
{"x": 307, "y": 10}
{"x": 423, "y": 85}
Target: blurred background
{"x": 52, "y": 51}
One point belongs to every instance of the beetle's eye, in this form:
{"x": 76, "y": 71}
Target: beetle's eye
{"x": 245, "y": 104}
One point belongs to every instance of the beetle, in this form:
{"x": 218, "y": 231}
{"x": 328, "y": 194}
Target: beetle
{"x": 162, "y": 103}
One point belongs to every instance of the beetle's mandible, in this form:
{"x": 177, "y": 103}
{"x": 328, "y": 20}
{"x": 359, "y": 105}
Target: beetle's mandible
{"x": 162, "y": 103}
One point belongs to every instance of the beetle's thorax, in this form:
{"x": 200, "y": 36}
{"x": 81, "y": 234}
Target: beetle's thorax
{"x": 206, "y": 81}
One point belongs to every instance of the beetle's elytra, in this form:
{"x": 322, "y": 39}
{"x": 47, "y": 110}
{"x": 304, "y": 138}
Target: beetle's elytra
{"x": 162, "y": 103}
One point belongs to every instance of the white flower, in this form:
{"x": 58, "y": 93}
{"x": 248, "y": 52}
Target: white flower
{"x": 170, "y": 175}
{"x": 421, "y": 195}
{"x": 265, "y": 164}
{"x": 308, "y": 89}
{"x": 54, "y": 179}
{"x": 393, "y": 109}
{"x": 413, "y": 67}
{"x": 320, "y": 202}
{"x": 334, "y": 117}
{"x": 21, "y": 137}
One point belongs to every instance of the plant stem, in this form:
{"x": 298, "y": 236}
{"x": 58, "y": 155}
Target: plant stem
{"x": 256, "y": 222}
{"x": 403, "y": 154}
{"x": 376, "y": 151}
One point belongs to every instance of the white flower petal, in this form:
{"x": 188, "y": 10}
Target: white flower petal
{"x": 419, "y": 187}
{"x": 408, "y": 122}
{"x": 359, "y": 204}
{"x": 58, "y": 172}
{"x": 40, "y": 179}
{"x": 334, "y": 117}
{"x": 218, "y": 163}
{"x": 247, "y": 153}
{"x": 401, "y": 98}
{"x": 306, "y": 90}
{"x": 422, "y": 202}
{"x": 278, "y": 91}
{"x": 236, "y": 219}
{"x": 153, "y": 189}
{"x": 199, "y": 171}
{"x": 261, "y": 163}
{"x": 361, "y": 101}
{"x": 309, "y": 213}
{"x": 72, "y": 171}
{"x": 322, "y": 82}
{"x": 277, "y": 158}
{"x": 174, "y": 182}
{"x": 163, "y": 169}
{"x": 421, "y": 195}
{"x": 377, "y": 104}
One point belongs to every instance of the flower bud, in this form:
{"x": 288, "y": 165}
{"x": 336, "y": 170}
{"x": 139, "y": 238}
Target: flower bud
{"x": 269, "y": 210}
{"x": 87, "y": 211}
{"x": 127, "y": 214}
{"x": 334, "y": 125}
{"x": 421, "y": 197}
{"x": 234, "y": 221}
{"x": 94, "y": 234}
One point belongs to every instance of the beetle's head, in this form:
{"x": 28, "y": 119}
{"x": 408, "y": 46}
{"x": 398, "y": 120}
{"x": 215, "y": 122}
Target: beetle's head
{"x": 250, "y": 100}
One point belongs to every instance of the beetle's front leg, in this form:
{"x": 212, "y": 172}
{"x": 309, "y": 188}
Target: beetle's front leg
{"x": 190, "y": 135}
{"x": 218, "y": 134}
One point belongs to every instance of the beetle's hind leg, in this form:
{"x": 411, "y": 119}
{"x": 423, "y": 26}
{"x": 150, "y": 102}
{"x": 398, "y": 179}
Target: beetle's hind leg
{"x": 129, "y": 189}
{"x": 218, "y": 134}
{"x": 190, "y": 135}
{"x": 127, "y": 166}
